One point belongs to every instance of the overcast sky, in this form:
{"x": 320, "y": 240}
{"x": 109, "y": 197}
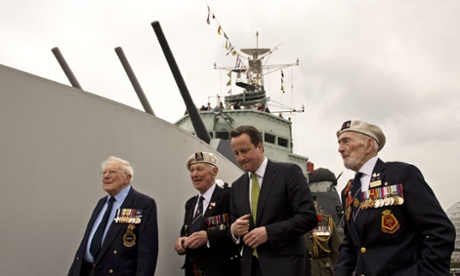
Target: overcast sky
{"x": 392, "y": 63}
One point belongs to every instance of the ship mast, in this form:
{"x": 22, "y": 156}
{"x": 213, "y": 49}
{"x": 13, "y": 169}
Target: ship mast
{"x": 251, "y": 78}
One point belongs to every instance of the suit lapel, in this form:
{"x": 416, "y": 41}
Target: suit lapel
{"x": 115, "y": 228}
{"x": 96, "y": 212}
{"x": 267, "y": 183}
{"x": 378, "y": 169}
{"x": 189, "y": 211}
{"x": 351, "y": 225}
{"x": 243, "y": 195}
{"x": 213, "y": 204}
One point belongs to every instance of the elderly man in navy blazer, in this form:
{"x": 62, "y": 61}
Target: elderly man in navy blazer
{"x": 122, "y": 234}
{"x": 271, "y": 210}
{"x": 204, "y": 237}
{"x": 394, "y": 225}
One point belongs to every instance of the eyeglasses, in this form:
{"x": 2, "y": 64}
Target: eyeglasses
{"x": 110, "y": 172}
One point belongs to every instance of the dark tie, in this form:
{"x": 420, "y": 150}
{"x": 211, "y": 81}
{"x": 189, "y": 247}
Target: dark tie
{"x": 357, "y": 198}
{"x": 197, "y": 217}
{"x": 96, "y": 243}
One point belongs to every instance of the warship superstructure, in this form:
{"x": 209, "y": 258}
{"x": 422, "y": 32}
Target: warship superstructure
{"x": 251, "y": 106}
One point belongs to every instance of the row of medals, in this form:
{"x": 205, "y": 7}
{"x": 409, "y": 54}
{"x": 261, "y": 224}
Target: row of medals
{"x": 132, "y": 216}
{"x": 379, "y": 202}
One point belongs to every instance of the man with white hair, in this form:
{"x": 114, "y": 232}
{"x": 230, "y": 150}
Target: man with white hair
{"x": 394, "y": 225}
{"x": 204, "y": 240}
{"x": 122, "y": 234}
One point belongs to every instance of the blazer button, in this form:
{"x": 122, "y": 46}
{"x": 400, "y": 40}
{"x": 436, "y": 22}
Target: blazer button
{"x": 110, "y": 271}
{"x": 363, "y": 250}
{"x": 115, "y": 252}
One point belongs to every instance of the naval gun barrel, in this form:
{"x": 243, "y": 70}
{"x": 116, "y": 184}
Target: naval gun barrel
{"x": 197, "y": 123}
{"x": 132, "y": 77}
{"x": 66, "y": 68}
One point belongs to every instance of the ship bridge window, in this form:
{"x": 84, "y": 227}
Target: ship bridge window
{"x": 269, "y": 138}
{"x": 283, "y": 142}
{"x": 222, "y": 135}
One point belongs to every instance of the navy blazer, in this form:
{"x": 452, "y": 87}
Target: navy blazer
{"x": 421, "y": 241}
{"x": 286, "y": 209}
{"x": 222, "y": 257}
{"x": 116, "y": 258}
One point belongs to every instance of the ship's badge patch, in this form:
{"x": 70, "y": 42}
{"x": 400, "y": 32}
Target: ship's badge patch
{"x": 389, "y": 222}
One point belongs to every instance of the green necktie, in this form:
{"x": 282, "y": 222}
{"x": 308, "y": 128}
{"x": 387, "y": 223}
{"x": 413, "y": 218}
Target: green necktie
{"x": 255, "y": 190}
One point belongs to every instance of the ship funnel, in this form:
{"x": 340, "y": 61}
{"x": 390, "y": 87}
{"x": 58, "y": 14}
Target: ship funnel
{"x": 197, "y": 122}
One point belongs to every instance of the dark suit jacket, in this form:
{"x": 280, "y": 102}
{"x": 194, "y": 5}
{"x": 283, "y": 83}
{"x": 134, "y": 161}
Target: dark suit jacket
{"x": 222, "y": 256}
{"x": 139, "y": 259}
{"x": 423, "y": 243}
{"x": 286, "y": 209}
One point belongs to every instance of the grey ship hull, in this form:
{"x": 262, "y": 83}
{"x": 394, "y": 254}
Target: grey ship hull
{"x": 54, "y": 138}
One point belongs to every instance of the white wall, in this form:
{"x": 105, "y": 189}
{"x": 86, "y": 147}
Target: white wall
{"x": 53, "y": 139}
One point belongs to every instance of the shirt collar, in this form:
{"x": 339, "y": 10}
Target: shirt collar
{"x": 120, "y": 197}
{"x": 366, "y": 170}
{"x": 208, "y": 194}
{"x": 260, "y": 172}
{"x": 368, "y": 167}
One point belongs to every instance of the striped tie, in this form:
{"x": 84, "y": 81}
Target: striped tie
{"x": 357, "y": 198}
{"x": 197, "y": 217}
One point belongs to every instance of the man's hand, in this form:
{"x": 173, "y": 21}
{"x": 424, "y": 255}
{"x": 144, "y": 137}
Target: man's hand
{"x": 256, "y": 237}
{"x": 241, "y": 226}
{"x": 196, "y": 240}
{"x": 179, "y": 245}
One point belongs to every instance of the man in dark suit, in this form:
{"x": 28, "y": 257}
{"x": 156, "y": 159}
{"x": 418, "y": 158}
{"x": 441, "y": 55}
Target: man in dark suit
{"x": 394, "y": 223}
{"x": 271, "y": 210}
{"x": 204, "y": 236}
{"x": 122, "y": 234}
